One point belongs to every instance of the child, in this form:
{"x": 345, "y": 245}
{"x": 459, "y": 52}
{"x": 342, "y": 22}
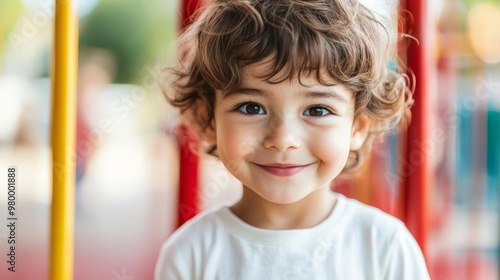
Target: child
{"x": 285, "y": 92}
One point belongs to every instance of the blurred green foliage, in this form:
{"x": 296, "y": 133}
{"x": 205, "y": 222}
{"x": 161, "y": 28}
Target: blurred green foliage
{"x": 470, "y": 3}
{"x": 9, "y": 11}
{"x": 136, "y": 32}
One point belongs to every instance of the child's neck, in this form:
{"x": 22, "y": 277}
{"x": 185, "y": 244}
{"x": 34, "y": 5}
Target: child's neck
{"x": 306, "y": 213}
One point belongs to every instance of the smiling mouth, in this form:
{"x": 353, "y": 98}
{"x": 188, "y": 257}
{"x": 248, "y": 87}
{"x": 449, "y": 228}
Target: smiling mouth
{"x": 283, "y": 170}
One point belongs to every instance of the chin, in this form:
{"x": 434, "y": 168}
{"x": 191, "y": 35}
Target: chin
{"x": 283, "y": 199}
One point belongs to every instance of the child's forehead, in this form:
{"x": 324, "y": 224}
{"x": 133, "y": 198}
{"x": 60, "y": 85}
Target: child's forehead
{"x": 254, "y": 79}
{"x": 260, "y": 72}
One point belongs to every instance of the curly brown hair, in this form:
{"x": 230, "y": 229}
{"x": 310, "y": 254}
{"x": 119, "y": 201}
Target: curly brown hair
{"x": 341, "y": 38}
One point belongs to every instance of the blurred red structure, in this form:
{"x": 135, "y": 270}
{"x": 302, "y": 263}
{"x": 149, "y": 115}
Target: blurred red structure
{"x": 414, "y": 172}
{"x": 188, "y": 170}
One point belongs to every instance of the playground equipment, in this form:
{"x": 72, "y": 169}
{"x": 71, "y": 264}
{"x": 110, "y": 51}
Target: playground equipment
{"x": 63, "y": 140}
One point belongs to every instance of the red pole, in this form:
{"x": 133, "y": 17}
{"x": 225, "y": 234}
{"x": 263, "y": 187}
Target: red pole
{"x": 188, "y": 175}
{"x": 415, "y": 175}
{"x": 188, "y": 8}
{"x": 188, "y": 170}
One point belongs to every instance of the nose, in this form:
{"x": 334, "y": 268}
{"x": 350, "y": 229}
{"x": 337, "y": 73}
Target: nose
{"x": 282, "y": 134}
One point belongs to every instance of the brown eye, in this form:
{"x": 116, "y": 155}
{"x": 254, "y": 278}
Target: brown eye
{"x": 317, "y": 111}
{"x": 251, "y": 109}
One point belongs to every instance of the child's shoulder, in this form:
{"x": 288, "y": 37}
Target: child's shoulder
{"x": 371, "y": 232}
{"x": 191, "y": 239}
{"x": 359, "y": 215}
{"x": 198, "y": 229}
{"x": 206, "y": 219}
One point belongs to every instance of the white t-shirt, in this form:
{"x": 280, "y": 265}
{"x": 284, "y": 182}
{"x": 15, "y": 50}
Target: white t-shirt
{"x": 355, "y": 242}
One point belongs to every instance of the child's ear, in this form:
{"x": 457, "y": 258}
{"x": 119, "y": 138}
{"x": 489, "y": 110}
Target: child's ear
{"x": 201, "y": 115}
{"x": 209, "y": 134}
{"x": 360, "y": 131}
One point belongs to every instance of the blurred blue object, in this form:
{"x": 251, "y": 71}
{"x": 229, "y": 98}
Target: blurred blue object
{"x": 493, "y": 155}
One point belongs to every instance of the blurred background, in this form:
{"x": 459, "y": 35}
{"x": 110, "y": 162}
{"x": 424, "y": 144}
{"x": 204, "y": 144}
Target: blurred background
{"x": 127, "y": 156}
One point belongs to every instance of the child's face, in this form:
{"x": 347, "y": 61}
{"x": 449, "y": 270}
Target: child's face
{"x": 285, "y": 141}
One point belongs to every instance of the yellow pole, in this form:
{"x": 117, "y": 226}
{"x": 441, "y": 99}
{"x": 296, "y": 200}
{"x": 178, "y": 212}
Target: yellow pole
{"x": 64, "y": 76}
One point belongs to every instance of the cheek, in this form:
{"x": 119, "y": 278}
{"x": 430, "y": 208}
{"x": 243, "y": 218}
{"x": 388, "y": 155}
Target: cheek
{"x": 233, "y": 141}
{"x": 332, "y": 147}
{"x": 235, "y": 147}
{"x": 237, "y": 138}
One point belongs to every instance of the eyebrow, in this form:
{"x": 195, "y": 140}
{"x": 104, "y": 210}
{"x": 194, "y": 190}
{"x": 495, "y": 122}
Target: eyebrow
{"x": 243, "y": 91}
{"x": 326, "y": 94}
{"x": 312, "y": 93}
